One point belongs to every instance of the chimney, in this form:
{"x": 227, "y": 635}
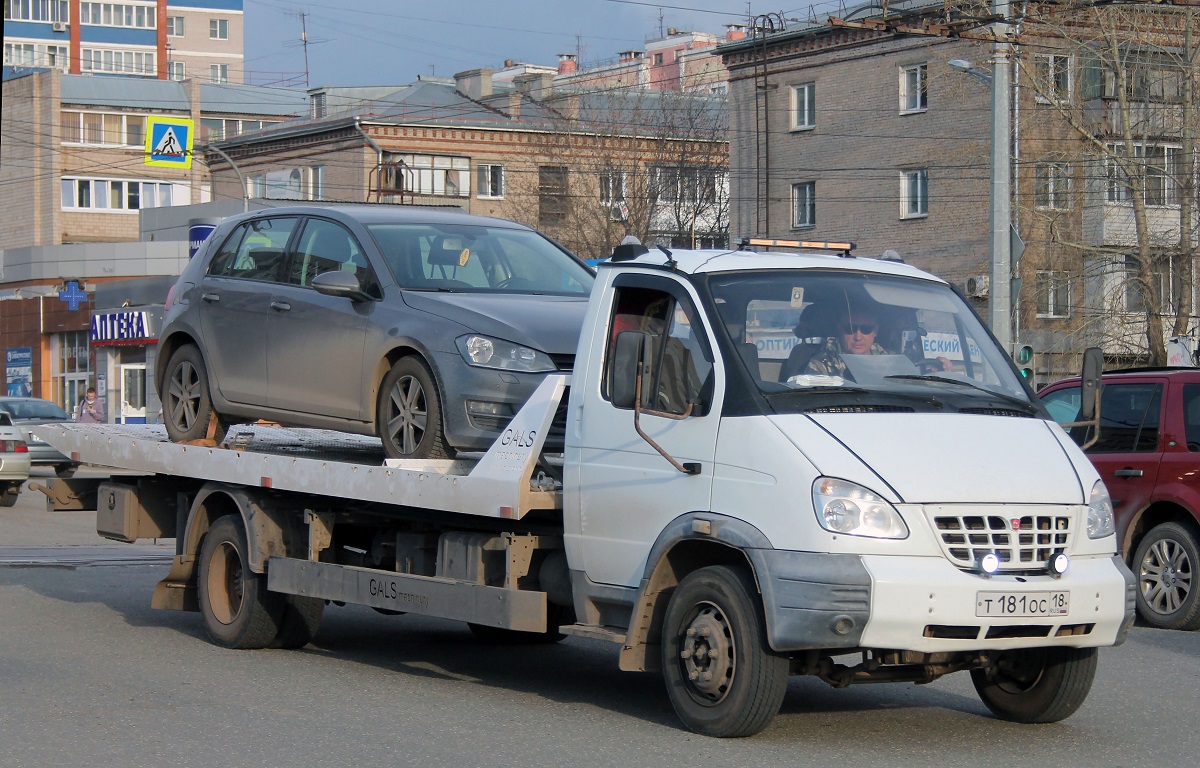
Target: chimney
{"x": 671, "y": 31}
{"x": 629, "y": 55}
{"x": 474, "y": 83}
{"x": 536, "y": 86}
{"x": 514, "y": 105}
{"x": 734, "y": 32}
{"x": 567, "y": 64}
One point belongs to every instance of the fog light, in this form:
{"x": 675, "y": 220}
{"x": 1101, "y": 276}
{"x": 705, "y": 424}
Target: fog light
{"x": 989, "y": 563}
{"x": 1058, "y": 564}
{"x": 484, "y": 408}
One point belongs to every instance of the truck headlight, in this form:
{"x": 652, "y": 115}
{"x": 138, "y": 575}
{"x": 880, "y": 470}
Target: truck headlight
{"x": 845, "y": 507}
{"x": 487, "y": 352}
{"x": 1100, "y": 513}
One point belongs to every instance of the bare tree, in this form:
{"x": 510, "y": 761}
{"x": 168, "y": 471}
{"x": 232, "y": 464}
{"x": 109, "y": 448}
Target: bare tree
{"x": 1113, "y": 109}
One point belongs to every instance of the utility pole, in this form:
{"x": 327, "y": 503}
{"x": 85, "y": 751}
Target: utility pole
{"x": 1000, "y": 288}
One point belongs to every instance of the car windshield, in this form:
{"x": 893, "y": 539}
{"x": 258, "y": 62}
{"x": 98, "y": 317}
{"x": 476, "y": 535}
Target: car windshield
{"x": 34, "y": 409}
{"x": 438, "y": 257}
{"x": 804, "y": 332}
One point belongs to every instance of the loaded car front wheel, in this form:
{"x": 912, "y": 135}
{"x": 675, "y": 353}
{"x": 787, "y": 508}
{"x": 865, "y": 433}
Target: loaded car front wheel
{"x": 409, "y": 417}
{"x": 1165, "y": 565}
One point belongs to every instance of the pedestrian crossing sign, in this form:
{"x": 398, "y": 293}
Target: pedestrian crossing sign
{"x": 169, "y": 142}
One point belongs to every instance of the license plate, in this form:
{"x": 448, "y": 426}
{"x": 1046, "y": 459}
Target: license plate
{"x": 1022, "y": 603}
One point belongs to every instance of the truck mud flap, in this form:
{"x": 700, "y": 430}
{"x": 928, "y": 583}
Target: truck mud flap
{"x": 521, "y": 610}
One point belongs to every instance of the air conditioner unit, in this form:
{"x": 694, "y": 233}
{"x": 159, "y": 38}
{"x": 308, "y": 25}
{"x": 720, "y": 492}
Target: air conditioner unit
{"x": 977, "y": 287}
{"x": 618, "y": 212}
{"x": 60, "y": 26}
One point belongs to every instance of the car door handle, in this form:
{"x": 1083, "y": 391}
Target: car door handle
{"x": 1127, "y": 472}
{"x": 281, "y": 306}
{"x": 210, "y": 297}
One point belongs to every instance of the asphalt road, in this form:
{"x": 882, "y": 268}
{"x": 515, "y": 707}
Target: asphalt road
{"x": 91, "y": 676}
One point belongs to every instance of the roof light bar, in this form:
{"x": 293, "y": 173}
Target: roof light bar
{"x": 819, "y": 245}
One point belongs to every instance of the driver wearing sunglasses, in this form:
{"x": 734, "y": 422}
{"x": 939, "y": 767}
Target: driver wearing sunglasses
{"x": 853, "y": 334}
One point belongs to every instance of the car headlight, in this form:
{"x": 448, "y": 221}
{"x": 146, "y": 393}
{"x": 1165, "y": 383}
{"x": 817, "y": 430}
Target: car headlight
{"x": 1100, "y": 512}
{"x": 487, "y": 352}
{"x": 845, "y": 507}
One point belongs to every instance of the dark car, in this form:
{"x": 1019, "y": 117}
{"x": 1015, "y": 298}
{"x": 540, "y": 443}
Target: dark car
{"x": 1147, "y": 452}
{"x": 427, "y": 327}
{"x": 27, "y": 413}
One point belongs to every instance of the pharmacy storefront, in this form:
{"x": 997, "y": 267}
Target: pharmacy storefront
{"x": 123, "y": 340}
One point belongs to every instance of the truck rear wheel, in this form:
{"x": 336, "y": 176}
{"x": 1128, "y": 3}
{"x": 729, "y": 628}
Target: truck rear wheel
{"x": 1168, "y": 595}
{"x": 301, "y": 619}
{"x": 1036, "y": 685}
{"x": 238, "y": 610}
{"x": 187, "y": 401}
{"x": 722, "y": 677}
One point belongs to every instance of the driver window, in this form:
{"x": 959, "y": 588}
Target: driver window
{"x": 679, "y": 364}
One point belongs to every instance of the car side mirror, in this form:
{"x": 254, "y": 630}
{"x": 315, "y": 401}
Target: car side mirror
{"x": 339, "y": 283}
{"x": 628, "y": 354}
{"x": 1089, "y": 390}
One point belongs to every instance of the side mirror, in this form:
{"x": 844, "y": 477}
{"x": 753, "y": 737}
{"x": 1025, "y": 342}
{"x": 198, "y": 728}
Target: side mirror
{"x": 1093, "y": 369}
{"x": 339, "y": 283}
{"x": 627, "y": 356}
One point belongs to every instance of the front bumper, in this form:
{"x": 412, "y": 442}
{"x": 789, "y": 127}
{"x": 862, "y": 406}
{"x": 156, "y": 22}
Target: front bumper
{"x": 461, "y": 383}
{"x": 926, "y": 604}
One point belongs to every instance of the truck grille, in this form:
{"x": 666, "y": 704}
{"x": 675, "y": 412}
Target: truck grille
{"x": 1022, "y": 544}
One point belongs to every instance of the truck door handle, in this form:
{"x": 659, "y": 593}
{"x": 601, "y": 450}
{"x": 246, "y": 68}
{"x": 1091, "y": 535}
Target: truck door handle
{"x": 1127, "y": 472}
{"x": 211, "y": 297}
{"x": 281, "y": 306}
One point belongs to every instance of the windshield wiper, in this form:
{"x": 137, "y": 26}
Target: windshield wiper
{"x": 1023, "y": 404}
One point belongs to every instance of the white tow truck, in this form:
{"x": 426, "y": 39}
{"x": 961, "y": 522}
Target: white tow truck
{"x": 729, "y": 496}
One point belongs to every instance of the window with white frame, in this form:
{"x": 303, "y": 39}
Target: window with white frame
{"x": 218, "y": 29}
{"x": 37, "y": 10}
{"x": 612, "y": 187}
{"x": 804, "y": 106}
{"x": 70, "y": 367}
{"x": 1139, "y": 294}
{"x": 20, "y": 54}
{"x": 218, "y": 73}
{"x": 1157, "y": 165}
{"x": 316, "y": 183}
{"x": 691, "y": 184}
{"x": 915, "y": 194}
{"x": 804, "y": 205}
{"x": 491, "y": 180}
{"x": 914, "y": 92}
{"x": 174, "y": 26}
{"x": 1052, "y": 186}
{"x": 135, "y": 15}
{"x": 118, "y": 62}
{"x": 218, "y": 128}
{"x": 108, "y": 128}
{"x": 175, "y": 70}
{"x": 434, "y": 175}
{"x": 1052, "y": 76}
{"x": 1053, "y": 291}
{"x": 116, "y": 195}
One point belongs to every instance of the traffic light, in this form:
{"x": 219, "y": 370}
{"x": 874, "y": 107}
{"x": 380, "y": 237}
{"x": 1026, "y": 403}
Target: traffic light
{"x": 1024, "y": 359}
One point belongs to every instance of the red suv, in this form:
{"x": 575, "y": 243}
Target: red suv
{"x": 1148, "y": 454}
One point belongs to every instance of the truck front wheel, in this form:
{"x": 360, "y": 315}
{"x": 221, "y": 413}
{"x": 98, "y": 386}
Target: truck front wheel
{"x": 238, "y": 610}
{"x": 722, "y": 677}
{"x": 1036, "y": 685}
{"x": 8, "y": 496}
{"x": 1168, "y": 594}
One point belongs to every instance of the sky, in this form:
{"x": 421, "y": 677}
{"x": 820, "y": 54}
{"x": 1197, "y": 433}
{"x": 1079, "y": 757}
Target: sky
{"x": 390, "y": 42}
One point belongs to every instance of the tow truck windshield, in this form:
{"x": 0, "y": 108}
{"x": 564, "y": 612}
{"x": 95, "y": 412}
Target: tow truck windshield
{"x": 829, "y": 332}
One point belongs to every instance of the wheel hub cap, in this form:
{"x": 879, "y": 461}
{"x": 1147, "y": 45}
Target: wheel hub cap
{"x": 707, "y": 654}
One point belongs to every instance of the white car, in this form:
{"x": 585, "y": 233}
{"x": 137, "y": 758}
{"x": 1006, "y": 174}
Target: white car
{"x": 14, "y": 461}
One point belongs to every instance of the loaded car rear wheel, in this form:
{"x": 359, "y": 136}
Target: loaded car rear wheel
{"x": 1165, "y": 563}
{"x": 1036, "y": 685}
{"x": 187, "y": 399}
{"x": 721, "y": 676}
{"x": 409, "y": 417}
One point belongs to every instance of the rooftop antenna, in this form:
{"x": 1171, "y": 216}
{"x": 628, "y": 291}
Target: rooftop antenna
{"x": 304, "y": 41}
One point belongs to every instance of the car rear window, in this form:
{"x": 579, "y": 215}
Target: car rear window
{"x": 35, "y": 409}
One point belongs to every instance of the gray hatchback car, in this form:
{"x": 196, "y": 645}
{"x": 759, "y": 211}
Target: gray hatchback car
{"x": 427, "y": 327}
